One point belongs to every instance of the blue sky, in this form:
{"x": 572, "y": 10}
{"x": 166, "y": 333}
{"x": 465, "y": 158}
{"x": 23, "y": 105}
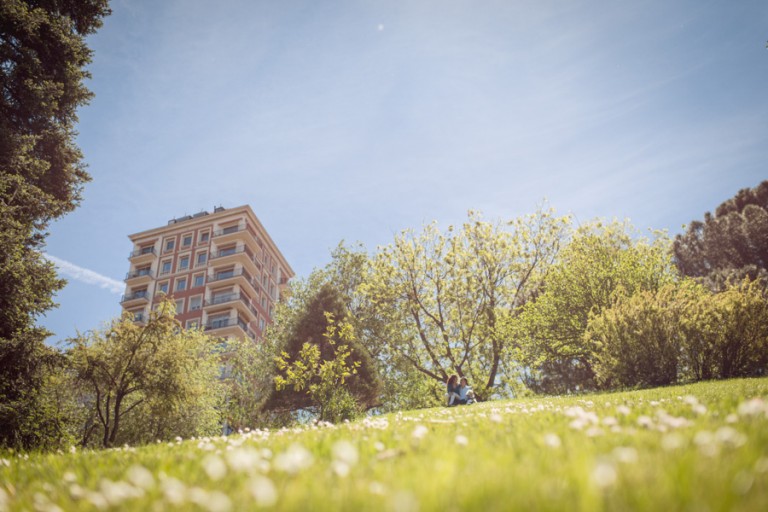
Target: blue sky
{"x": 354, "y": 120}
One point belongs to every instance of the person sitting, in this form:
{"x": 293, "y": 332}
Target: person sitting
{"x": 453, "y": 391}
{"x": 466, "y": 395}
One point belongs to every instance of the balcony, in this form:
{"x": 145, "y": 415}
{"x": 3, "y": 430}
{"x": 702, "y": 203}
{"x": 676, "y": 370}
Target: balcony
{"x": 227, "y": 327}
{"x": 228, "y": 234}
{"x": 136, "y": 298}
{"x": 143, "y": 255}
{"x": 243, "y": 255}
{"x": 239, "y": 301}
{"x": 139, "y": 276}
{"x": 239, "y": 277}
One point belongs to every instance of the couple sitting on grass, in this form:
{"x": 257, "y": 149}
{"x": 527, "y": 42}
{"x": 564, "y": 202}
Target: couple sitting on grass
{"x": 459, "y": 392}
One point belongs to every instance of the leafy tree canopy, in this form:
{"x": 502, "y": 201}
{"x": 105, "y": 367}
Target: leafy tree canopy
{"x": 314, "y": 325}
{"x": 600, "y": 262}
{"x": 42, "y": 68}
{"x": 731, "y": 243}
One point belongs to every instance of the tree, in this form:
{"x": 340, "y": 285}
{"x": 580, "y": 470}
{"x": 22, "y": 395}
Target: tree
{"x": 639, "y": 339}
{"x": 158, "y": 378}
{"x": 733, "y": 243}
{"x": 42, "y": 68}
{"x": 323, "y": 379}
{"x": 599, "y": 262}
{"x": 735, "y": 325}
{"x": 444, "y": 296}
{"x": 248, "y": 380}
{"x": 319, "y": 328}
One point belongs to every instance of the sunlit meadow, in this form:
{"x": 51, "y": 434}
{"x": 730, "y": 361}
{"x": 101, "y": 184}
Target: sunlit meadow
{"x": 699, "y": 447}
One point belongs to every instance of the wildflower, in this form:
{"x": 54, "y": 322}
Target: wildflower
{"x": 730, "y": 436}
{"x": 752, "y": 407}
{"x": 263, "y": 491}
{"x": 671, "y": 442}
{"x": 552, "y": 440}
{"x": 594, "y": 432}
{"x": 379, "y": 446}
{"x": 690, "y": 400}
{"x": 624, "y": 410}
{"x": 214, "y": 467}
{"x": 345, "y": 452}
{"x": 218, "y": 502}
{"x": 625, "y": 454}
{"x": 707, "y": 443}
{"x": 462, "y": 440}
{"x": 117, "y": 492}
{"x": 140, "y": 477}
{"x": 419, "y": 432}
{"x": 173, "y": 490}
{"x": 731, "y": 418}
{"x": 645, "y": 421}
{"x": 294, "y": 459}
{"x": 97, "y": 500}
{"x": 496, "y": 417}
{"x": 699, "y": 409}
{"x": 243, "y": 459}
{"x": 604, "y": 475}
{"x": 345, "y": 456}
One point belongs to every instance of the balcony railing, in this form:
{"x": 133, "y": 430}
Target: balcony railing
{"x": 138, "y": 273}
{"x": 142, "y": 251}
{"x": 137, "y": 295}
{"x": 229, "y": 274}
{"x": 221, "y": 299}
{"x": 227, "y": 231}
{"x": 225, "y": 322}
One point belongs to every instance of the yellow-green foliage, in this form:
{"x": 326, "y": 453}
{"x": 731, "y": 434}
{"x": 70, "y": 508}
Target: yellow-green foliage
{"x": 681, "y": 332}
{"x": 145, "y": 382}
{"x": 694, "y": 447}
{"x": 323, "y": 379}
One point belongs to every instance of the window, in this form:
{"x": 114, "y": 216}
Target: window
{"x": 228, "y": 250}
{"x": 179, "y": 306}
{"x": 261, "y": 324}
{"x": 193, "y": 324}
{"x": 163, "y": 287}
{"x": 181, "y": 284}
{"x": 166, "y": 267}
{"x": 147, "y": 249}
{"x": 186, "y": 241}
{"x": 184, "y": 263}
{"x": 195, "y": 303}
{"x": 202, "y": 257}
{"x": 204, "y": 237}
{"x": 170, "y": 244}
{"x": 218, "y": 321}
{"x": 263, "y": 303}
{"x": 199, "y": 280}
{"x": 230, "y": 229}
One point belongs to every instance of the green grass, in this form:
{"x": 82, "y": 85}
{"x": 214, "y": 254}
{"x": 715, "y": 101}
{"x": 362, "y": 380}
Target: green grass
{"x": 697, "y": 447}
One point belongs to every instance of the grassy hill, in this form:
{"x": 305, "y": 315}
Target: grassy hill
{"x": 697, "y": 447}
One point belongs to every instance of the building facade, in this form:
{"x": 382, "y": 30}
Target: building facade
{"x": 222, "y": 270}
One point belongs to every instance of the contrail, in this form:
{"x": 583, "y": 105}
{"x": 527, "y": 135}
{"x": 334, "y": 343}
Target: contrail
{"x": 86, "y": 276}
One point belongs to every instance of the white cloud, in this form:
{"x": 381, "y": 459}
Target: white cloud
{"x": 86, "y": 276}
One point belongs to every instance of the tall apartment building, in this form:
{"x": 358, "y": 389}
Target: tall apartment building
{"x": 222, "y": 269}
